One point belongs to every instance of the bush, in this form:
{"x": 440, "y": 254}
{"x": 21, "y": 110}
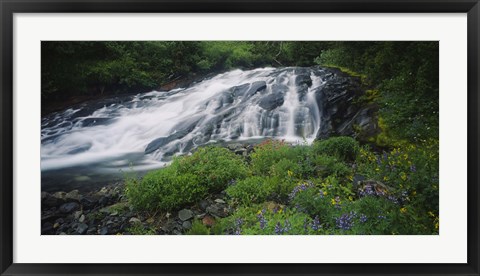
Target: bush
{"x": 214, "y": 167}
{"x": 267, "y": 154}
{"x": 139, "y": 229}
{"x": 198, "y": 229}
{"x": 164, "y": 189}
{"x": 412, "y": 173}
{"x": 327, "y": 165}
{"x": 345, "y": 148}
{"x": 267, "y": 219}
{"x": 254, "y": 189}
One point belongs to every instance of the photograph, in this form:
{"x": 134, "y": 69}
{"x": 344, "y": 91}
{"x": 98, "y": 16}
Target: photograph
{"x": 239, "y": 138}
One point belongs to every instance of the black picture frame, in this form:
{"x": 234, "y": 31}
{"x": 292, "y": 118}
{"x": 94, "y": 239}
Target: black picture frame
{"x": 9, "y": 7}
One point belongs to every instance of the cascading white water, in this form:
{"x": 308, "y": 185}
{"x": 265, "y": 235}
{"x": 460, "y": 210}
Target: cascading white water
{"x": 144, "y": 129}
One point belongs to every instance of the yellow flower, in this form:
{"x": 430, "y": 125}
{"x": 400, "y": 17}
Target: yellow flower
{"x": 385, "y": 178}
{"x": 325, "y": 193}
{"x": 350, "y": 198}
{"x": 290, "y": 173}
{"x": 403, "y": 210}
{"x": 414, "y": 193}
{"x": 333, "y": 201}
{"x": 403, "y": 176}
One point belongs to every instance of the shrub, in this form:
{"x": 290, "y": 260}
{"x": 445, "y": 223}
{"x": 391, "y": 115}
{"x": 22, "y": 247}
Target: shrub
{"x": 327, "y": 165}
{"x": 254, "y": 189}
{"x": 345, "y": 148}
{"x": 214, "y": 167}
{"x": 267, "y": 219}
{"x": 164, "y": 189}
{"x": 285, "y": 168}
{"x": 198, "y": 229}
{"x": 267, "y": 154}
{"x": 412, "y": 172}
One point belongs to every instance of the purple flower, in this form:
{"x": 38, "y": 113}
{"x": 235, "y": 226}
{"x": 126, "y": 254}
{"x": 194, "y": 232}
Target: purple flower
{"x": 278, "y": 229}
{"x": 413, "y": 168}
{"x": 261, "y": 219}
{"x": 297, "y": 189}
{"x": 316, "y": 224}
{"x": 287, "y": 227}
{"x": 345, "y": 222}
{"x": 382, "y": 217}
{"x": 238, "y": 222}
{"x": 363, "y": 218}
{"x": 393, "y": 199}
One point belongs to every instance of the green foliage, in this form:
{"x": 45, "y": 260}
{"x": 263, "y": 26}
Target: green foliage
{"x": 198, "y": 229}
{"x": 186, "y": 180}
{"x": 164, "y": 189}
{"x": 345, "y": 148}
{"x": 215, "y": 167}
{"x": 406, "y": 77}
{"x": 413, "y": 170}
{"x": 254, "y": 189}
{"x": 140, "y": 229}
{"x": 267, "y": 219}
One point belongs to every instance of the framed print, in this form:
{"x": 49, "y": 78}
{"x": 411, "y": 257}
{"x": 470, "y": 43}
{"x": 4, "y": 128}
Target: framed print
{"x": 239, "y": 137}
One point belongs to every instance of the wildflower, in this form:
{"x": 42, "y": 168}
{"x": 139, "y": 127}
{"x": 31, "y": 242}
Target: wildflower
{"x": 393, "y": 199}
{"x": 403, "y": 210}
{"x": 413, "y": 168}
{"x": 363, "y": 218}
{"x": 261, "y": 219}
{"x": 238, "y": 222}
{"x": 297, "y": 189}
{"x": 382, "y": 217}
{"x": 287, "y": 227}
{"x": 345, "y": 222}
{"x": 316, "y": 224}
{"x": 403, "y": 176}
{"x": 278, "y": 229}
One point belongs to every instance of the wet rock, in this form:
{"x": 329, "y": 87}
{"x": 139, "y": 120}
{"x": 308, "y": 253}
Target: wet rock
{"x": 73, "y": 196}
{"x": 50, "y": 201}
{"x": 218, "y": 210}
{"x": 203, "y": 204}
{"x": 187, "y": 225}
{"x": 47, "y": 228}
{"x": 69, "y": 207}
{"x": 134, "y": 220}
{"x": 185, "y": 214}
{"x": 82, "y": 228}
{"x": 104, "y": 231}
{"x": 271, "y": 101}
{"x": 88, "y": 203}
{"x": 77, "y": 214}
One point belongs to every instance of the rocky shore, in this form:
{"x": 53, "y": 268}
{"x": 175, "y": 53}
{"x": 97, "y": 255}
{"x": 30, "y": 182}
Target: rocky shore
{"x": 106, "y": 211}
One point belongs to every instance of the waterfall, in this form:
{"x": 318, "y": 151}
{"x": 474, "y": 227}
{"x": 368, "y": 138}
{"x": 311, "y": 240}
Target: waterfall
{"x": 145, "y": 130}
